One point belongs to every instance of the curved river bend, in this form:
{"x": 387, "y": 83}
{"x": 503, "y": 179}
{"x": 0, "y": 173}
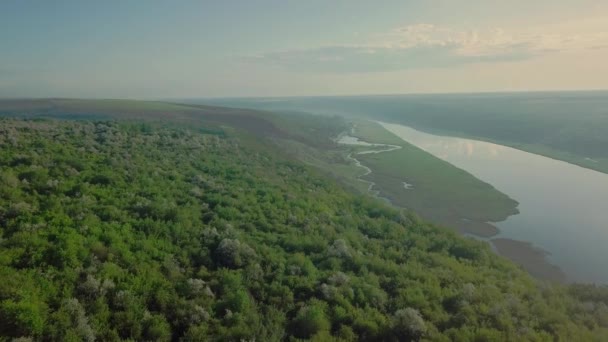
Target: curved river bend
{"x": 350, "y": 140}
{"x": 563, "y": 207}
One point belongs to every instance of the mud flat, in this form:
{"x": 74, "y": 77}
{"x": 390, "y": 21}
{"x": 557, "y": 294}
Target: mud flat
{"x": 532, "y": 258}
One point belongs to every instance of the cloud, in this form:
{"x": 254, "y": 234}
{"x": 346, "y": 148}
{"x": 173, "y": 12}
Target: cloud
{"x": 429, "y": 46}
{"x": 376, "y": 59}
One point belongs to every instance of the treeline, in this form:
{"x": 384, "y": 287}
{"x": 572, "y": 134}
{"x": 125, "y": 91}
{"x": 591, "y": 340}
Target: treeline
{"x": 127, "y": 231}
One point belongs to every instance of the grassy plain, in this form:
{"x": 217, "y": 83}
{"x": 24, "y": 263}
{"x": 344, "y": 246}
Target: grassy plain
{"x": 440, "y": 191}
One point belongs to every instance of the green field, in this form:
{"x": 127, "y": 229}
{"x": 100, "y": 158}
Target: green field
{"x": 441, "y": 192}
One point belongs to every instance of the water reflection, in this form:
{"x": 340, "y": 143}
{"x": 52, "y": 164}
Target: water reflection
{"x": 563, "y": 207}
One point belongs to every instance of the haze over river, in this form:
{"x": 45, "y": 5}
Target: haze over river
{"x": 563, "y": 207}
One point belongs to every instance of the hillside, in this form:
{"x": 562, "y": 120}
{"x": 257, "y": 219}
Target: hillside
{"x": 209, "y": 117}
{"x": 568, "y": 126}
{"x": 188, "y": 223}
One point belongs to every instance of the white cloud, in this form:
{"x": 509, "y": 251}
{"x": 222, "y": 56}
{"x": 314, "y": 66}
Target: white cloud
{"x": 431, "y": 46}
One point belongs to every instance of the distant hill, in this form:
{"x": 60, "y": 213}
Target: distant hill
{"x": 244, "y": 119}
{"x": 570, "y": 126}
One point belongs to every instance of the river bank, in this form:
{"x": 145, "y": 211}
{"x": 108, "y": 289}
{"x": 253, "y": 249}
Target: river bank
{"x": 532, "y": 258}
{"x": 346, "y": 139}
{"x": 562, "y": 207}
{"x": 379, "y": 181}
{"x": 436, "y": 189}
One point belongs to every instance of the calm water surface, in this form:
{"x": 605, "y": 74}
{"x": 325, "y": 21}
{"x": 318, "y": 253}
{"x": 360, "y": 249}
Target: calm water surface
{"x": 563, "y": 207}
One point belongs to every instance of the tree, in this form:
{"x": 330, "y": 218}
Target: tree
{"x": 310, "y": 320}
{"x": 233, "y": 254}
{"x": 21, "y": 318}
{"x": 408, "y": 324}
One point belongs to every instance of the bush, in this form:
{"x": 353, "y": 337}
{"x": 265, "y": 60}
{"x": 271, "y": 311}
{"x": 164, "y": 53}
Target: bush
{"x": 310, "y": 320}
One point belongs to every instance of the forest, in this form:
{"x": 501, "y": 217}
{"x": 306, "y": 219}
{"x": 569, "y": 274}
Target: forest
{"x": 140, "y": 230}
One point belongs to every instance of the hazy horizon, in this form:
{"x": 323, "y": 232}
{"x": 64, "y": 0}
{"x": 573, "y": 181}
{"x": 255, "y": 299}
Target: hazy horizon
{"x": 178, "y": 98}
{"x": 159, "y": 50}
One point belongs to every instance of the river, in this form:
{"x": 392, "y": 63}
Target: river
{"x": 346, "y": 139}
{"x": 563, "y": 207}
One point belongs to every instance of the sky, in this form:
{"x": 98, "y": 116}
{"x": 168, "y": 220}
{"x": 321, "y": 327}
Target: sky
{"x": 199, "y": 49}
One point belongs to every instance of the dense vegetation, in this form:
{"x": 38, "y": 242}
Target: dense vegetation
{"x": 117, "y": 230}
